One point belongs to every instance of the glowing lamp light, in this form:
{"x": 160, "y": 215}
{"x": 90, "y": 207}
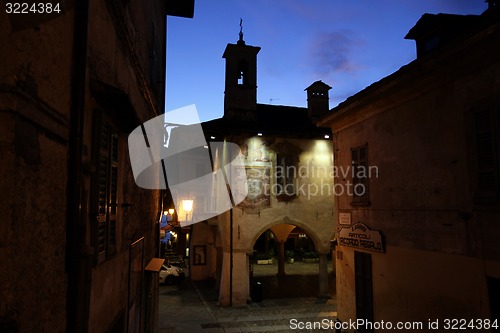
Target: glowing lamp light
{"x": 171, "y": 211}
{"x": 327, "y": 136}
{"x": 187, "y": 205}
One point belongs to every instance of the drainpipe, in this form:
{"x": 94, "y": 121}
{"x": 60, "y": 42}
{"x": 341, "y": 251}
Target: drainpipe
{"x": 228, "y": 181}
{"x": 77, "y": 297}
{"x": 231, "y": 255}
{"x": 228, "y": 185}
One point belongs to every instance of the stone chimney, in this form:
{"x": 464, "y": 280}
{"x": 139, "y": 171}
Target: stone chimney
{"x": 317, "y": 99}
{"x": 493, "y": 4}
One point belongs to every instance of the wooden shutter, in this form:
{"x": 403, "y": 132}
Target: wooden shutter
{"x": 105, "y": 185}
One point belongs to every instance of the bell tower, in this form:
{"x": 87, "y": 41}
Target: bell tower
{"x": 240, "y": 93}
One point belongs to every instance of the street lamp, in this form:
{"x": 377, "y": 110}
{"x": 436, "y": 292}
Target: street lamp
{"x": 169, "y": 215}
{"x": 187, "y": 205}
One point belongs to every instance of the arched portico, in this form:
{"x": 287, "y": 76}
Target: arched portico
{"x": 281, "y": 228}
{"x": 228, "y": 262}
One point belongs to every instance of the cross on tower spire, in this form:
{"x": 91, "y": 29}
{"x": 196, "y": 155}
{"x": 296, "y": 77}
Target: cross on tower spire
{"x": 241, "y": 41}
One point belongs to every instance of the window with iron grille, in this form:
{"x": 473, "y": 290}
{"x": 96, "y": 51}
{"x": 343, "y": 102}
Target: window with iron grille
{"x": 105, "y": 188}
{"x": 359, "y": 166}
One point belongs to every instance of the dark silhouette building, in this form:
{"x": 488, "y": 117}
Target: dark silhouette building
{"x": 78, "y": 238}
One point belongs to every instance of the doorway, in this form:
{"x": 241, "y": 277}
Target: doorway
{"x": 363, "y": 287}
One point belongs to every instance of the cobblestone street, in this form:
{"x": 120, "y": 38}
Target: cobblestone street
{"x": 194, "y": 307}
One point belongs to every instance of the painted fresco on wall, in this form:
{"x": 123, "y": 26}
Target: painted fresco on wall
{"x": 257, "y": 157}
{"x": 259, "y": 182}
{"x": 256, "y": 152}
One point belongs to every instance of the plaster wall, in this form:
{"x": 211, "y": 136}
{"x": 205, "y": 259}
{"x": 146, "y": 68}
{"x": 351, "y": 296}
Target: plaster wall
{"x": 311, "y": 210}
{"x": 32, "y": 245}
{"x": 417, "y": 126}
{"x": 415, "y": 286}
{"x": 34, "y": 111}
{"x": 204, "y": 235}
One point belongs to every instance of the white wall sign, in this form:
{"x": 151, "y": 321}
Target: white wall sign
{"x": 345, "y": 218}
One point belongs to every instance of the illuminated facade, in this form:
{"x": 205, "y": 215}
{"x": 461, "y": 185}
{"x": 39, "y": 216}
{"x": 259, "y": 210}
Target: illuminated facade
{"x": 288, "y": 166}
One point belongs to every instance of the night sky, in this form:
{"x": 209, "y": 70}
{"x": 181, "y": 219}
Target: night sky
{"x": 346, "y": 44}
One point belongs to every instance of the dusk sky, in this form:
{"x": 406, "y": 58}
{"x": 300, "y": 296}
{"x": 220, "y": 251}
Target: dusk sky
{"x": 346, "y": 44}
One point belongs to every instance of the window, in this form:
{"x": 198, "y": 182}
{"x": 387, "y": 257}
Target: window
{"x": 241, "y": 78}
{"x": 360, "y": 176}
{"x": 105, "y": 188}
{"x": 286, "y": 170}
{"x": 487, "y": 147}
{"x": 242, "y": 73}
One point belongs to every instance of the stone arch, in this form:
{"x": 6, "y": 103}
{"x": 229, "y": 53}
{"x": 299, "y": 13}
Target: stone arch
{"x": 319, "y": 243}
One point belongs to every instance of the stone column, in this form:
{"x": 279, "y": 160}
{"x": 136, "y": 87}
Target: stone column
{"x": 281, "y": 259}
{"x": 240, "y": 279}
{"x": 323, "y": 276}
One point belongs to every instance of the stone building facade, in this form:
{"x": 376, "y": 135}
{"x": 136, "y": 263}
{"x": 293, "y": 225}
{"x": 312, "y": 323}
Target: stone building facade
{"x": 78, "y": 236}
{"x": 420, "y": 243}
{"x": 288, "y": 165}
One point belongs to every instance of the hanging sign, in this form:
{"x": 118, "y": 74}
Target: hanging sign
{"x": 362, "y": 237}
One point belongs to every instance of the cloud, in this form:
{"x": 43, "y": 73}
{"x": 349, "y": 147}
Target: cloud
{"x": 332, "y": 53}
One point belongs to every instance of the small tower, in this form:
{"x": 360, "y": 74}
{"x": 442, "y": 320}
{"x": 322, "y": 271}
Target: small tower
{"x": 317, "y": 99}
{"x": 493, "y": 4}
{"x": 240, "y": 94}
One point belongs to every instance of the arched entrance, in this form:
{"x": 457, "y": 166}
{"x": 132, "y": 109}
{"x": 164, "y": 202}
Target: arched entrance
{"x": 234, "y": 277}
{"x": 285, "y": 263}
